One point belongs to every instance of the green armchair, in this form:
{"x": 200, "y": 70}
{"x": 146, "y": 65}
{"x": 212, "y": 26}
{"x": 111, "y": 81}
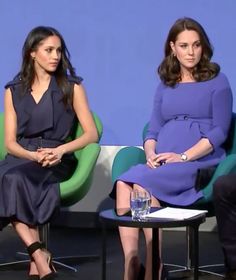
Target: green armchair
{"x": 76, "y": 187}
{"x": 130, "y": 156}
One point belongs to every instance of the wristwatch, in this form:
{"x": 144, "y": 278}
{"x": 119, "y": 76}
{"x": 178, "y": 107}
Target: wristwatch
{"x": 183, "y": 157}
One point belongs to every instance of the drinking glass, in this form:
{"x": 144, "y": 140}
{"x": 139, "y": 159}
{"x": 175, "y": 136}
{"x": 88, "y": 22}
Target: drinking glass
{"x": 140, "y": 204}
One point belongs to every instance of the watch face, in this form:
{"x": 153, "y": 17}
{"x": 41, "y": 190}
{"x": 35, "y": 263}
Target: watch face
{"x": 183, "y": 157}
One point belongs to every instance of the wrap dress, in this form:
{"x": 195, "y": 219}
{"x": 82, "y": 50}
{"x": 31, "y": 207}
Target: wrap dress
{"x": 29, "y": 192}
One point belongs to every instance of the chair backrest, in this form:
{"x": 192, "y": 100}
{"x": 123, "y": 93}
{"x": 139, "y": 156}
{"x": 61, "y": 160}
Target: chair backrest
{"x": 230, "y": 144}
{"x": 79, "y": 131}
{"x": 225, "y": 167}
{"x": 76, "y": 187}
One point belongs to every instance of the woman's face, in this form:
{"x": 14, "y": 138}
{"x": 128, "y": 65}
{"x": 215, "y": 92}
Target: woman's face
{"x": 188, "y": 49}
{"x": 48, "y": 54}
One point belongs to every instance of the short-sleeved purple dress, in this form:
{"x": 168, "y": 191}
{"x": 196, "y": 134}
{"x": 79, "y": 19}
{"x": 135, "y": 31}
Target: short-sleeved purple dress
{"x": 181, "y": 116}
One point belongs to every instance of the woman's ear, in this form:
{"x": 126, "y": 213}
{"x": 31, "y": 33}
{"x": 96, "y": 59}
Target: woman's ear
{"x": 172, "y": 45}
{"x": 32, "y": 54}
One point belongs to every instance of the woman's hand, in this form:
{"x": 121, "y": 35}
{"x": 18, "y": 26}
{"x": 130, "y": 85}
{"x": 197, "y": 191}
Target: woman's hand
{"x": 164, "y": 158}
{"x": 50, "y": 156}
{"x": 39, "y": 156}
{"x": 151, "y": 161}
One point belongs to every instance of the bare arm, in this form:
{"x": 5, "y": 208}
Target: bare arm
{"x": 10, "y": 124}
{"x": 85, "y": 119}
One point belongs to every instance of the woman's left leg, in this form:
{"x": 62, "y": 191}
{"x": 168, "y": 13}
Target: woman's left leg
{"x": 148, "y": 240}
{"x": 128, "y": 236}
{"x": 40, "y": 258}
{"x": 35, "y": 233}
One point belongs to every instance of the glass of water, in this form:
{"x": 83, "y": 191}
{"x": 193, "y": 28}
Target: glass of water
{"x": 140, "y": 204}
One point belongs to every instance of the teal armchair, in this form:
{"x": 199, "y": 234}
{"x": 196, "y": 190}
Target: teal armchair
{"x": 130, "y": 156}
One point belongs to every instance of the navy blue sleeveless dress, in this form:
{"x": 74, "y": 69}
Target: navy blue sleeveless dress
{"x": 29, "y": 192}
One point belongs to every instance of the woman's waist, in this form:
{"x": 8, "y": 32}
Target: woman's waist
{"x": 187, "y": 117}
{"x": 39, "y": 142}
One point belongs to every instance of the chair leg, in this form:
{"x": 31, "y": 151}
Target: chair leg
{"x": 44, "y": 237}
{"x": 189, "y": 260}
{"x": 202, "y": 269}
{"x": 44, "y": 234}
{"x": 176, "y": 268}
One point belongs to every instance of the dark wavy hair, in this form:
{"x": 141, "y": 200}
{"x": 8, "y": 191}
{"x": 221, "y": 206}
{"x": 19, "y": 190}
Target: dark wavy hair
{"x": 27, "y": 72}
{"x": 169, "y": 69}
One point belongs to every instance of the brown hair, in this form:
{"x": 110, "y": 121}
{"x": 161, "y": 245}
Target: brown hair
{"x": 169, "y": 69}
{"x": 27, "y": 72}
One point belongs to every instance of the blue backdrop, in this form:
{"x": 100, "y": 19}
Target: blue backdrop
{"x": 116, "y": 46}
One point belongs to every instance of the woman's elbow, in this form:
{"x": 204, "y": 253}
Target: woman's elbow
{"x": 93, "y": 136}
{"x": 8, "y": 146}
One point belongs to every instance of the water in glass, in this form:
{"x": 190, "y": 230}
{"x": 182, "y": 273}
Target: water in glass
{"x": 140, "y": 204}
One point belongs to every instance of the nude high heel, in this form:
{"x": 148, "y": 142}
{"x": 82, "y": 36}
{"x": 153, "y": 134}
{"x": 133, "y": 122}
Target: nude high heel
{"x": 35, "y": 246}
{"x": 49, "y": 259}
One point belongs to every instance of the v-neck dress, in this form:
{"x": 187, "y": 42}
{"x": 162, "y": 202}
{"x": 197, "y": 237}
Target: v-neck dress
{"x": 182, "y": 116}
{"x": 29, "y": 192}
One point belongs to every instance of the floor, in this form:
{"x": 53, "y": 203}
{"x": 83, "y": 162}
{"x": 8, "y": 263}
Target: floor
{"x": 72, "y": 241}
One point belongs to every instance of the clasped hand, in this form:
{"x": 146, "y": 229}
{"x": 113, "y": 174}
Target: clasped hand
{"x": 156, "y": 160}
{"x": 48, "y": 156}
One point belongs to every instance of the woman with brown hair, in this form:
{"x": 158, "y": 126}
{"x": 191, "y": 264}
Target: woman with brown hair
{"x": 42, "y": 105}
{"x": 189, "y": 123}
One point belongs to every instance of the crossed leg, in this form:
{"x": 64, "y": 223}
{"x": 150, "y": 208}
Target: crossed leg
{"x": 29, "y": 235}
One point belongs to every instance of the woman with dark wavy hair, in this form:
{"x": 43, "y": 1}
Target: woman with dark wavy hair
{"x": 189, "y": 123}
{"x": 170, "y": 68}
{"x": 43, "y": 103}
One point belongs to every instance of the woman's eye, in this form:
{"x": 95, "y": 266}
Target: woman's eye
{"x": 48, "y": 50}
{"x": 183, "y": 46}
{"x": 197, "y": 45}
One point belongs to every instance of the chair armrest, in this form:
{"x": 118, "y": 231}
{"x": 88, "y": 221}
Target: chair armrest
{"x": 124, "y": 159}
{"x": 226, "y": 166}
{"x": 76, "y": 185}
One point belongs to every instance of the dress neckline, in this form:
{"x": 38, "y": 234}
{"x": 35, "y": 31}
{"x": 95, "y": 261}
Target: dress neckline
{"x": 45, "y": 92}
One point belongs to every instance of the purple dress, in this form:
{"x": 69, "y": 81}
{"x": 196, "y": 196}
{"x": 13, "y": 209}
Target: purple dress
{"x": 181, "y": 116}
{"x": 29, "y": 192}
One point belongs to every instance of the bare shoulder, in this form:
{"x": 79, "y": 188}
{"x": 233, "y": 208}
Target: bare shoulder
{"x": 7, "y": 94}
{"x": 79, "y": 92}
{"x": 79, "y": 88}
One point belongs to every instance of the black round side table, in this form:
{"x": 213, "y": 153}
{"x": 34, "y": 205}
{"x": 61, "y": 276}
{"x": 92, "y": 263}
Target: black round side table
{"x": 111, "y": 218}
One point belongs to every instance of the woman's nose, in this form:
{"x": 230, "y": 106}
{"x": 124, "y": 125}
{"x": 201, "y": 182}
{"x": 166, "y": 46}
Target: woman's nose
{"x": 55, "y": 55}
{"x": 190, "y": 50}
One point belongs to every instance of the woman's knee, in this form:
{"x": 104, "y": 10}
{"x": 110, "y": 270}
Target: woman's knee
{"x": 122, "y": 194}
{"x": 121, "y": 188}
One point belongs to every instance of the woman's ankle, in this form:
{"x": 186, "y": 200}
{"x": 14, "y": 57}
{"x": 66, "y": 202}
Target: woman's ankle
{"x": 132, "y": 268}
{"x": 33, "y": 269}
{"x": 41, "y": 262}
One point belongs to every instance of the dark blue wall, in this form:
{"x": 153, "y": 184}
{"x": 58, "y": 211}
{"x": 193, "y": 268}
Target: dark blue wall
{"x": 116, "y": 46}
